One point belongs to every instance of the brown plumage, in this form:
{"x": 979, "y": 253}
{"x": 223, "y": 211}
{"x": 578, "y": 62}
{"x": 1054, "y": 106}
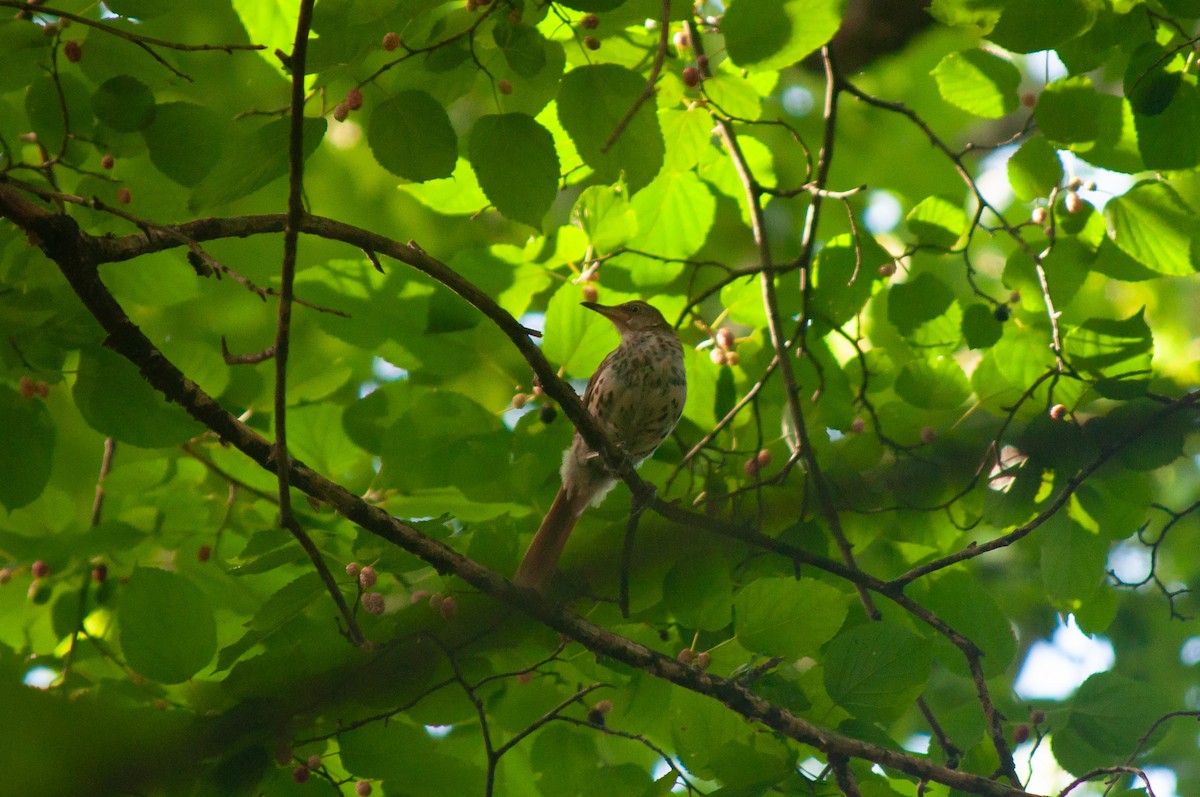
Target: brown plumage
{"x": 636, "y": 396}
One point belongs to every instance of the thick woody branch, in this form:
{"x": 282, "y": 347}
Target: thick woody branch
{"x": 77, "y": 256}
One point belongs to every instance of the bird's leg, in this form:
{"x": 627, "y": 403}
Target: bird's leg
{"x": 640, "y": 503}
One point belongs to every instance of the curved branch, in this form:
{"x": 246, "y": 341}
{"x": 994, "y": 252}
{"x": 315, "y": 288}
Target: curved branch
{"x": 77, "y": 256}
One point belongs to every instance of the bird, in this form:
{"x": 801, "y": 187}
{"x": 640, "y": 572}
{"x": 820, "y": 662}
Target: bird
{"x": 636, "y": 397}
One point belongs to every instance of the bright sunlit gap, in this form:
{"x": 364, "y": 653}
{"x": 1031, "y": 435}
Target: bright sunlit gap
{"x": 1054, "y": 670}
{"x": 40, "y": 677}
{"x": 883, "y": 212}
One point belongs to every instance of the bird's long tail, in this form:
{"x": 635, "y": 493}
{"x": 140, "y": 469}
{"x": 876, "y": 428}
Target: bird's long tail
{"x": 541, "y": 559}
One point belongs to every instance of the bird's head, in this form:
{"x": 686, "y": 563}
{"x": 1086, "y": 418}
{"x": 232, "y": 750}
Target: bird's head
{"x": 635, "y": 316}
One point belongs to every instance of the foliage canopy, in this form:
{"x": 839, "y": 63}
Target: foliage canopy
{"x": 940, "y": 332}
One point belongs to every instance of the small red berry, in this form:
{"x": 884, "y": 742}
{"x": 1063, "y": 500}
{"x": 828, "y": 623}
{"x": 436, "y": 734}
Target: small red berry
{"x": 449, "y": 608}
{"x": 691, "y": 77}
{"x": 353, "y": 569}
{"x": 372, "y": 603}
{"x": 702, "y": 63}
{"x": 858, "y": 426}
{"x": 928, "y": 435}
{"x": 203, "y": 553}
{"x": 763, "y": 458}
{"x": 591, "y": 42}
{"x": 100, "y": 573}
{"x": 504, "y": 86}
{"x": 362, "y": 788}
{"x": 367, "y": 577}
{"x": 524, "y": 678}
{"x": 1029, "y": 99}
{"x": 603, "y": 706}
{"x": 300, "y": 774}
{"x": 685, "y": 655}
{"x": 519, "y": 401}
{"x": 703, "y": 660}
{"x": 732, "y": 358}
{"x": 1037, "y": 716}
{"x": 340, "y": 112}
{"x": 108, "y": 161}
{"x": 1021, "y": 734}
{"x": 887, "y": 270}
{"x": 419, "y": 596}
{"x": 751, "y": 467}
{"x": 5, "y": 575}
{"x": 725, "y": 338}
{"x": 27, "y": 386}
{"x": 681, "y": 40}
{"x": 590, "y": 294}
{"x": 1073, "y": 203}
{"x": 1039, "y": 216}
{"x": 435, "y": 601}
{"x": 40, "y": 569}
{"x": 124, "y": 196}
{"x": 314, "y": 761}
{"x": 1057, "y": 412}
{"x": 73, "y": 51}
{"x": 391, "y": 41}
{"x": 354, "y": 99}
{"x": 589, "y": 22}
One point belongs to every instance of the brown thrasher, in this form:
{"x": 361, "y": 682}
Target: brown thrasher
{"x": 636, "y": 397}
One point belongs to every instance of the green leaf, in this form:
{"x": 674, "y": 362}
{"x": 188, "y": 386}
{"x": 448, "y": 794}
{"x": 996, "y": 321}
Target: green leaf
{"x": 1159, "y": 141}
{"x": 411, "y": 136}
{"x": 769, "y": 34}
{"x": 124, "y": 103}
{"x": 1074, "y": 562}
{"x": 979, "y": 82}
{"x": 1152, "y": 225}
{"x": 514, "y": 158}
{"x": 675, "y": 213}
{"x": 184, "y": 141}
{"x": 876, "y": 670}
{"x": 142, "y": 417}
{"x": 27, "y": 450}
{"x": 603, "y": 212}
{"x": 938, "y": 222}
{"x": 698, "y": 591}
{"x": 937, "y": 384}
{"x": 1034, "y": 170}
{"x": 1110, "y": 347}
{"x": 1149, "y": 85}
{"x": 45, "y": 109}
{"x": 523, "y": 47}
{"x": 967, "y": 603}
{"x": 788, "y": 617}
{"x": 591, "y": 103}
{"x": 168, "y": 633}
{"x": 980, "y": 15}
{"x": 1108, "y": 715}
{"x": 458, "y": 194}
{"x": 846, "y": 272}
{"x": 256, "y": 162}
{"x": 1029, "y": 26}
{"x": 915, "y": 301}
{"x": 1098, "y": 127}
{"x": 980, "y": 327}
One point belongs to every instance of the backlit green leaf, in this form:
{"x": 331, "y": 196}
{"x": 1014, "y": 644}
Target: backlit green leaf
{"x": 979, "y": 82}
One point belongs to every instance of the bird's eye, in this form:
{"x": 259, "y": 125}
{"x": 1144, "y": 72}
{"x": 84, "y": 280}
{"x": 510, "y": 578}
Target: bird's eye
{"x": 633, "y": 308}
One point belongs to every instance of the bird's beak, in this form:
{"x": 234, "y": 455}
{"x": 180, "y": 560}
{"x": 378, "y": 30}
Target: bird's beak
{"x": 608, "y": 311}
